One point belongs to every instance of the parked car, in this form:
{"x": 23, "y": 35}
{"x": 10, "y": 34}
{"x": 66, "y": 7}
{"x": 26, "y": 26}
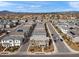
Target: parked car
{"x": 72, "y": 33}
{"x": 52, "y": 34}
{"x": 19, "y": 30}
{"x": 54, "y": 40}
{"x": 61, "y": 40}
{"x": 7, "y": 32}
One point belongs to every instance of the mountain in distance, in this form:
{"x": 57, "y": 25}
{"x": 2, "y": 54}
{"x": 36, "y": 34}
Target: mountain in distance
{"x": 6, "y": 12}
{"x": 9, "y": 12}
{"x": 23, "y": 15}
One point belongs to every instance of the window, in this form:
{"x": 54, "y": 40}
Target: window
{"x": 3, "y": 40}
{"x": 20, "y": 30}
{"x": 10, "y": 41}
{"x": 16, "y": 41}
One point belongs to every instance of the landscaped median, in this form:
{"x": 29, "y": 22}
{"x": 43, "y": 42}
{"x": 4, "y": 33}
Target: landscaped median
{"x": 68, "y": 40}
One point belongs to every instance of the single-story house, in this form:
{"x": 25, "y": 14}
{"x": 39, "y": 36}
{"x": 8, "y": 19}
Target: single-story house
{"x": 76, "y": 39}
{"x": 14, "y": 39}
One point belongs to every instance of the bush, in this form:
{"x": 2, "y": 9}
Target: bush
{"x": 12, "y": 49}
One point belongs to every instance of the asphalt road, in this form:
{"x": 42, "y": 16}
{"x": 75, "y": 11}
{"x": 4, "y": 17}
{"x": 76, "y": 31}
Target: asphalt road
{"x": 23, "y": 49}
{"x": 59, "y": 44}
{"x": 15, "y": 28}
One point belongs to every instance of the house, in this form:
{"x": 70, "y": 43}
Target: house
{"x": 11, "y": 41}
{"x": 38, "y": 20}
{"x": 22, "y": 21}
{"x": 63, "y": 27}
{"x": 1, "y": 26}
{"x": 14, "y": 21}
{"x": 14, "y": 39}
{"x": 38, "y": 37}
{"x": 7, "y": 25}
{"x": 76, "y": 40}
{"x": 39, "y": 40}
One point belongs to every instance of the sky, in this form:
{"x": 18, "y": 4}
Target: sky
{"x": 39, "y": 6}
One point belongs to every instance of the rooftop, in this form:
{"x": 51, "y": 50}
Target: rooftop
{"x": 12, "y": 38}
{"x": 16, "y": 34}
{"x": 76, "y": 39}
{"x": 39, "y": 29}
{"x": 39, "y": 37}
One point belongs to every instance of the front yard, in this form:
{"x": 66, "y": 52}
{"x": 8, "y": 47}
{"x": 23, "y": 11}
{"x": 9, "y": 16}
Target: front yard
{"x": 1, "y": 48}
{"x": 50, "y": 48}
{"x": 12, "y": 49}
{"x": 35, "y": 49}
{"x": 45, "y": 49}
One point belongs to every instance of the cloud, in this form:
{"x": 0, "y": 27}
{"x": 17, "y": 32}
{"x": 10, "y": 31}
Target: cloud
{"x": 2, "y": 3}
{"x": 67, "y": 9}
{"x": 39, "y": 2}
{"x": 30, "y": 7}
{"x": 74, "y": 4}
{"x": 35, "y": 6}
{"x": 20, "y": 7}
{"x": 62, "y": 9}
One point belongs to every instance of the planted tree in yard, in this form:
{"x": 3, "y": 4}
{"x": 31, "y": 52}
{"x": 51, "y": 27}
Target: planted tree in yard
{"x": 26, "y": 37}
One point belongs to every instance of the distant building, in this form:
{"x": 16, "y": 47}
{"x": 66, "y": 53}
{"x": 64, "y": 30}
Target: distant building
{"x": 7, "y": 25}
{"x": 14, "y": 21}
{"x": 63, "y": 27}
{"x": 1, "y": 26}
{"x": 76, "y": 40}
{"x": 22, "y": 21}
{"x": 38, "y": 21}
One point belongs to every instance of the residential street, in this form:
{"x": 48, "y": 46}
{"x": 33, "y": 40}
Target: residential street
{"x": 59, "y": 44}
{"x": 23, "y": 49}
